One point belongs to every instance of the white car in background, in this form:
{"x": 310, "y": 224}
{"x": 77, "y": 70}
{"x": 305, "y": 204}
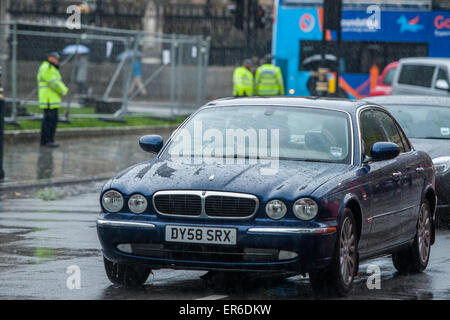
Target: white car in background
{"x": 422, "y": 76}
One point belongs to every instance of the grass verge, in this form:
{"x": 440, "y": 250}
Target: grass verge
{"x": 130, "y": 121}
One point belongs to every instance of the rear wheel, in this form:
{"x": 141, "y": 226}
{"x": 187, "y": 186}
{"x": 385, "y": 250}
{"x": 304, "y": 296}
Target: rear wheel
{"x": 126, "y": 275}
{"x": 415, "y": 259}
{"x": 338, "y": 277}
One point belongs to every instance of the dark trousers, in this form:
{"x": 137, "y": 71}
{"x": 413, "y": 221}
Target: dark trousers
{"x": 48, "y": 127}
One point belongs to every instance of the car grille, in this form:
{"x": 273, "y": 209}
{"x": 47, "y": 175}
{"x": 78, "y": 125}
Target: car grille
{"x": 205, "y": 204}
{"x": 220, "y": 206}
{"x": 178, "y": 204}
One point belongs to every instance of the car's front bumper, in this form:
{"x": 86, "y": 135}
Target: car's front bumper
{"x": 258, "y": 248}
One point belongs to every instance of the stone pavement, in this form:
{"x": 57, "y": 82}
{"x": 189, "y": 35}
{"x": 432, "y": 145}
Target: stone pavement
{"x": 27, "y": 164}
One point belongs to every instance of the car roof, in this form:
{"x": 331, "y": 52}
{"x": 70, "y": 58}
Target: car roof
{"x": 347, "y": 105}
{"x": 426, "y": 60}
{"x": 411, "y": 100}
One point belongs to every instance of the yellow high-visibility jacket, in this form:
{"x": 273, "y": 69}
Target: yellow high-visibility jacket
{"x": 269, "y": 81}
{"x": 242, "y": 82}
{"x": 51, "y": 87}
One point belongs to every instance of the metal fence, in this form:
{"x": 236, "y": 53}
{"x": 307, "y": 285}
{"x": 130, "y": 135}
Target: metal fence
{"x": 229, "y": 45}
{"x": 115, "y": 72}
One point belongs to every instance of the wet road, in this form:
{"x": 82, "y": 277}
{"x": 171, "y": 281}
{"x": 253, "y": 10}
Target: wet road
{"x": 75, "y": 158}
{"x": 40, "y": 241}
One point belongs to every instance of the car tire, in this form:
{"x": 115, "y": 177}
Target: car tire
{"x": 126, "y": 275}
{"x": 415, "y": 259}
{"x": 338, "y": 277}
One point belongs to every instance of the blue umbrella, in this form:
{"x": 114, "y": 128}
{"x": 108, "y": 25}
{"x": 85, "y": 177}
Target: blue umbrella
{"x": 76, "y": 49}
{"x": 129, "y": 54}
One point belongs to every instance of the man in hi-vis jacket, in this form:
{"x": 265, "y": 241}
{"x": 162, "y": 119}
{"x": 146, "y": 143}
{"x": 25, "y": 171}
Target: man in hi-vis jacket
{"x": 51, "y": 89}
{"x": 243, "y": 80}
{"x": 268, "y": 79}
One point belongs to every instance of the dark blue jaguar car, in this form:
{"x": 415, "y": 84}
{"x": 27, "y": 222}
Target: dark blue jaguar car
{"x": 296, "y": 185}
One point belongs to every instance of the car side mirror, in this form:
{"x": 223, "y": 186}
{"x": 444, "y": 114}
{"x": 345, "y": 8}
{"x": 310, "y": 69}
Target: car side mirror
{"x": 384, "y": 151}
{"x": 442, "y": 84}
{"x": 151, "y": 143}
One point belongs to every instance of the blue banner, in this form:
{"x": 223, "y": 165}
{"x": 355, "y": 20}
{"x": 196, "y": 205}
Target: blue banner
{"x": 391, "y": 26}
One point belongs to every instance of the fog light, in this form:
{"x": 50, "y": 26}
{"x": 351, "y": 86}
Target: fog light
{"x": 287, "y": 255}
{"x": 125, "y": 247}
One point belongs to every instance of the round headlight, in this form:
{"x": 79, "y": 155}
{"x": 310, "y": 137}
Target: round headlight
{"x": 305, "y": 208}
{"x": 276, "y": 209}
{"x": 137, "y": 203}
{"x": 112, "y": 201}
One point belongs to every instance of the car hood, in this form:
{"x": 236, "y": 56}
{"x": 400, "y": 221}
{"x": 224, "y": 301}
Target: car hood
{"x": 434, "y": 147}
{"x": 293, "y": 178}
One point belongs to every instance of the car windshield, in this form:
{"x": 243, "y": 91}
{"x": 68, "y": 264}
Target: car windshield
{"x": 257, "y": 132}
{"x": 423, "y": 121}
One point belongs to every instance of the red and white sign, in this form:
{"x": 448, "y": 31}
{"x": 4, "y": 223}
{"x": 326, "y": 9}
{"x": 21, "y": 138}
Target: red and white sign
{"x": 307, "y": 22}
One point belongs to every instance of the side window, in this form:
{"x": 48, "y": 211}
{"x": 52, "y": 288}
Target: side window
{"x": 390, "y": 129}
{"x": 406, "y": 145}
{"x": 416, "y": 75}
{"x": 371, "y": 131}
{"x": 441, "y": 75}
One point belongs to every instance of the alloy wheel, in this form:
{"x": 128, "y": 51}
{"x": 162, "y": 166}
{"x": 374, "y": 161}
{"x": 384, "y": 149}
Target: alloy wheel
{"x": 424, "y": 234}
{"x": 347, "y": 252}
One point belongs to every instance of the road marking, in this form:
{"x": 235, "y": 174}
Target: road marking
{"x": 213, "y": 297}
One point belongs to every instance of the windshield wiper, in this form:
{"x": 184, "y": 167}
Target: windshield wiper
{"x": 310, "y": 160}
{"x": 440, "y": 138}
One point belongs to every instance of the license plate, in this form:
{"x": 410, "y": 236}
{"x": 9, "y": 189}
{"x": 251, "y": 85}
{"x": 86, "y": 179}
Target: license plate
{"x": 208, "y": 235}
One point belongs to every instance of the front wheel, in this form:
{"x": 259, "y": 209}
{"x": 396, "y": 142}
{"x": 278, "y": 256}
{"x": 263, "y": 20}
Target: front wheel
{"x": 126, "y": 275}
{"x": 338, "y": 276}
{"x": 415, "y": 259}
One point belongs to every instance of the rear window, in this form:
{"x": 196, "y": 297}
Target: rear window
{"x": 416, "y": 75}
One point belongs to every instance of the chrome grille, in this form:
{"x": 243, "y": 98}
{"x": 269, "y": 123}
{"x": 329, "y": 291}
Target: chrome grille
{"x": 205, "y": 204}
{"x": 178, "y": 204}
{"x": 222, "y": 206}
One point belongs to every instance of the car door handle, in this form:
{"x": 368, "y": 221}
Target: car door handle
{"x": 420, "y": 169}
{"x": 397, "y": 174}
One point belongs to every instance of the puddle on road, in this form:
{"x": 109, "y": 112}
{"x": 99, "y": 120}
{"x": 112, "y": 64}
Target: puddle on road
{"x": 12, "y": 251}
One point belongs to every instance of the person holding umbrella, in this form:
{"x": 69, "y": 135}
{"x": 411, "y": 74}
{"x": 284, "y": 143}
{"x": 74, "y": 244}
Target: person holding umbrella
{"x": 82, "y": 64}
{"x": 81, "y": 53}
{"x": 50, "y": 90}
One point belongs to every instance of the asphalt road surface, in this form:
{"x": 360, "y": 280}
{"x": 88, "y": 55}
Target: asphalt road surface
{"x": 43, "y": 244}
